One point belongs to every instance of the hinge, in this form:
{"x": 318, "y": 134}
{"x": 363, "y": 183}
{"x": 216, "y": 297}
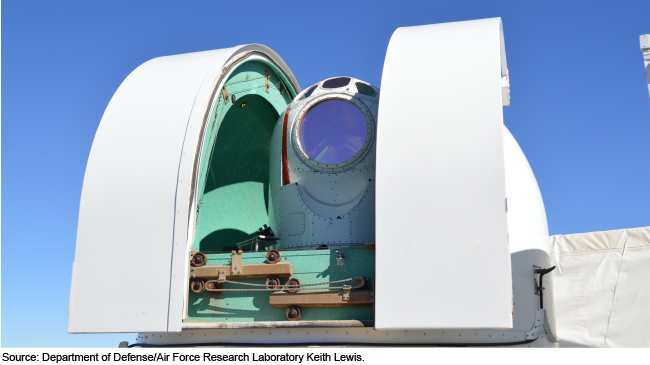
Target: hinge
{"x": 267, "y": 81}
{"x": 236, "y": 262}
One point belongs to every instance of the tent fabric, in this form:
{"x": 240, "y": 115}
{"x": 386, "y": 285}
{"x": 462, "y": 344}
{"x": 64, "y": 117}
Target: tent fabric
{"x": 602, "y": 288}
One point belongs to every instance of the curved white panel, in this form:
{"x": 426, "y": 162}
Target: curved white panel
{"x": 441, "y": 224}
{"x": 528, "y": 233}
{"x": 131, "y": 256}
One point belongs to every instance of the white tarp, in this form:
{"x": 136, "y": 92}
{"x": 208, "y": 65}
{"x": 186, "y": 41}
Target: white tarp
{"x": 602, "y": 288}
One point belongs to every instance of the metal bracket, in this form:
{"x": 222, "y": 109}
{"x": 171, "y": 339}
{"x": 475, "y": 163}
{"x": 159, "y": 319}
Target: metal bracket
{"x": 236, "y": 262}
{"x": 222, "y": 276}
{"x": 224, "y": 93}
{"x": 346, "y": 292}
{"x": 340, "y": 261}
{"x": 536, "y": 287}
{"x": 537, "y": 326}
{"x": 190, "y": 268}
{"x": 321, "y": 299}
{"x": 541, "y": 323}
{"x": 267, "y": 81}
{"x": 547, "y": 328}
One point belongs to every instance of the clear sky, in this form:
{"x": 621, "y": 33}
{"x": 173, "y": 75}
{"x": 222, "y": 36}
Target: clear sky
{"x": 580, "y": 109}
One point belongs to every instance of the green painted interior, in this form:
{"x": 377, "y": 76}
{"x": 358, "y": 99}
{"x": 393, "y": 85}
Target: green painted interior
{"x": 313, "y": 266}
{"x": 234, "y": 172}
{"x": 233, "y": 203}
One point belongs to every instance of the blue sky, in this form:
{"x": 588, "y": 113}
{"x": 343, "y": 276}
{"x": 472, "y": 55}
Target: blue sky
{"x": 580, "y": 109}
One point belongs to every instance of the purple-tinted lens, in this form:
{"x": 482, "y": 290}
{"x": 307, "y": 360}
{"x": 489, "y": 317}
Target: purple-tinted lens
{"x": 333, "y": 131}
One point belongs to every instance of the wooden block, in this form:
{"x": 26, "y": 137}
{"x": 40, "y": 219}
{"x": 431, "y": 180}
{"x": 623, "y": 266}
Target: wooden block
{"x": 321, "y": 299}
{"x": 281, "y": 269}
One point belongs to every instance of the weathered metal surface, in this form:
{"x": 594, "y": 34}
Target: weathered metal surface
{"x": 199, "y": 259}
{"x": 267, "y": 78}
{"x": 278, "y": 324}
{"x": 273, "y": 282}
{"x": 339, "y": 259}
{"x": 281, "y": 269}
{"x": 236, "y": 263}
{"x": 346, "y": 292}
{"x": 293, "y": 285}
{"x": 252, "y": 308}
{"x": 224, "y": 93}
{"x": 321, "y": 299}
{"x": 211, "y": 285}
{"x": 292, "y": 313}
{"x": 273, "y": 256}
{"x": 197, "y": 286}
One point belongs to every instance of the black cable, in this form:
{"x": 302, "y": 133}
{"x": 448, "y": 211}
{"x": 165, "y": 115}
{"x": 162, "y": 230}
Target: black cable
{"x": 541, "y": 273}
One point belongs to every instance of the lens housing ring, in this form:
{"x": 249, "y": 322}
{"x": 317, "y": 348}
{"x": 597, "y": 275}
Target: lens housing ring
{"x": 351, "y": 162}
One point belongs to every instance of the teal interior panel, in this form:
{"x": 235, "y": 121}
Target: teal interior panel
{"x": 234, "y": 172}
{"x": 313, "y": 266}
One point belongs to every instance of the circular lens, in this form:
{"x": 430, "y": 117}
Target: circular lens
{"x": 333, "y": 131}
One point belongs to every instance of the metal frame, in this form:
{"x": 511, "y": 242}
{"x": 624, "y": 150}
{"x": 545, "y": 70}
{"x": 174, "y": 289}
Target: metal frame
{"x": 346, "y": 165}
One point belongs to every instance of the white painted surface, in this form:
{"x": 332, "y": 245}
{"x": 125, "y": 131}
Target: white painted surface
{"x": 528, "y": 236}
{"x": 131, "y": 256}
{"x": 202, "y": 335}
{"x": 645, "y": 48}
{"x": 441, "y": 224}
